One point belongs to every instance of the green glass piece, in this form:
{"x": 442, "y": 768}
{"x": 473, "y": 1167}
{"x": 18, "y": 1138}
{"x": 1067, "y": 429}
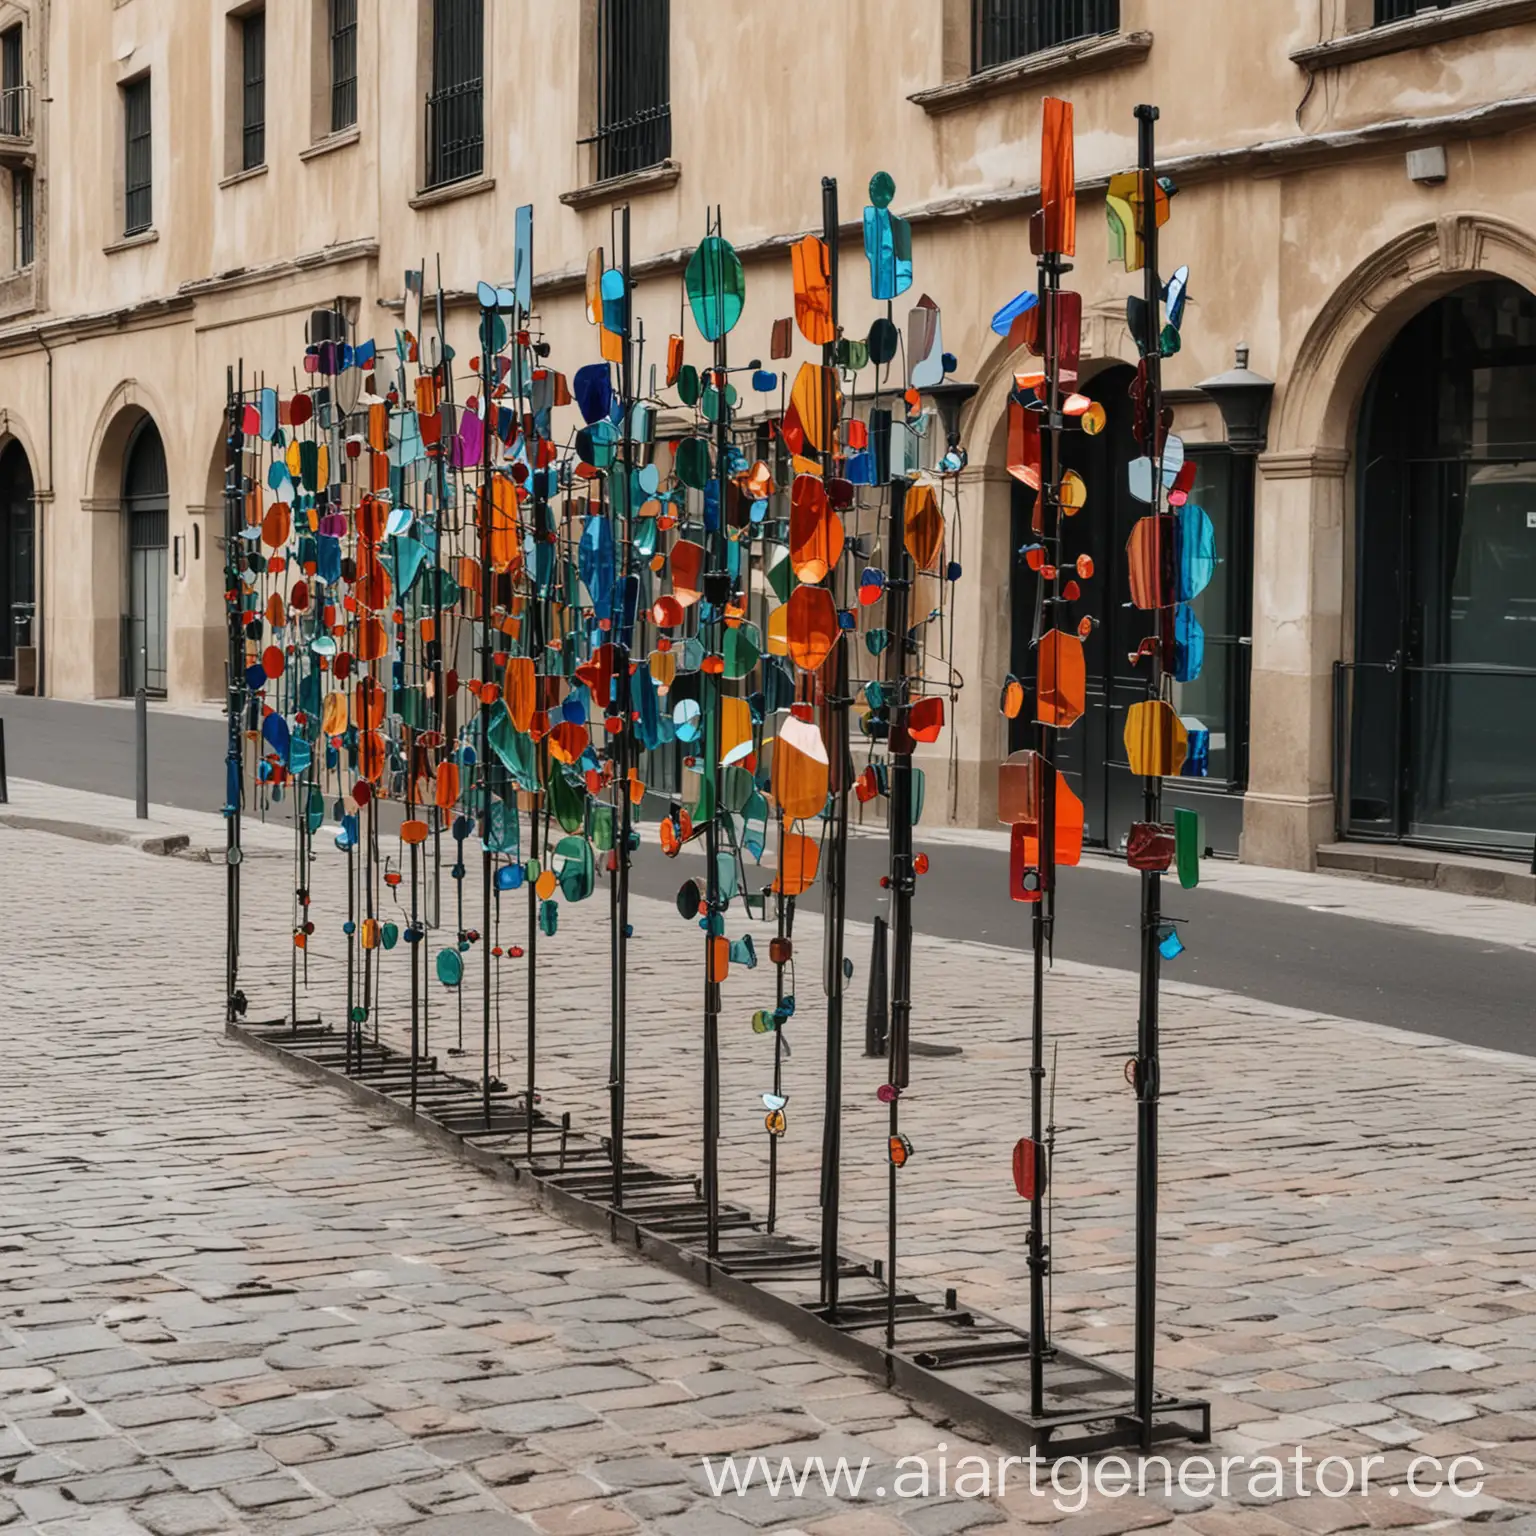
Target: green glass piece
{"x": 737, "y": 787}
{"x": 577, "y": 873}
{"x": 1170, "y": 342}
{"x": 549, "y": 918}
{"x": 692, "y": 462}
{"x": 743, "y": 648}
{"x": 315, "y": 813}
{"x": 389, "y": 935}
{"x": 450, "y": 968}
{"x": 688, "y": 384}
{"x": 602, "y": 828}
{"x": 712, "y": 401}
{"x": 513, "y": 748}
{"x": 1186, "y": 847}
{"x": 882, "y": 188}
{"x": 725, "y": 874}
{"x": 359, "y": 1014}
{"x": 919, "y": 789}
{"x": 505, "y": 830}
{"x": 411, "y": 706}
{"x": 717, "y": 287}
{"x": 876, "y": 640}
{"x": 781, "y": 573}
{"x": 567, "y": 800}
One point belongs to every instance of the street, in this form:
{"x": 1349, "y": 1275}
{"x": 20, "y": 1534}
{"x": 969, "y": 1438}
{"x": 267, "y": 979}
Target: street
{"x": 235, "y": 1302}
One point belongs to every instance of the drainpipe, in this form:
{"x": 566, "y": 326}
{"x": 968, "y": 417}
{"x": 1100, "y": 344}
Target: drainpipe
{"x": 40, "y": 612}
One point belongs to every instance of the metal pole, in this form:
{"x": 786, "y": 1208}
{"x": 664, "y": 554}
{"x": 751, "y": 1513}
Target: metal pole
{"x": 5, "y": 791}
{"x": 141, "y": 754}
{"x": 835, "y": 726}
{"x": 234, "y": 760}
{"x": 1152, "y": 787}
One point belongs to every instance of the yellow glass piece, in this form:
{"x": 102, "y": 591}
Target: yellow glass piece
{"x": 1095, "y": 419}
{"x": 800, "y": 769}
{"x": 663, "y": 668}
{"x": 1155, "y": 739}
{"x": 1074, "y": 493}
{"x": 735, "y": 725}
{"x": 333, "y": 714}
{"x": 1123, "y": 203}
{"x": 924, "y": 526}
{"x": 818, "y": 403}
{"x": 778, "y": 631}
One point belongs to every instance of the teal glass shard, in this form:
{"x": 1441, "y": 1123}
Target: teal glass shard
{"x": 1196, "y": 544}
{"x": 450, "y": 967}
{"x": 549, "y": 918}
{"x": 522, "y": 257}
{"x": 744, "y": 952}
{"x": 716, "y": 287}
{"x": 888, "y": 247}
{"x": 1169, "y": 945}
{"x": 1188, "y": 645}
{"x": 575, "y": 868}
{"x": 725, "y": 875}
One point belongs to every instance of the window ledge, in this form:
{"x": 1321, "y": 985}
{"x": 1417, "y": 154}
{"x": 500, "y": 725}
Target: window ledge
{"x": 1417, "y": 32}
{"x": 471, "y": 186}
{"x": 131, "y": 242}
{"x": 654, "y": 178}
{"x": 1079, "y": 58}
{"x": 330, "y": 143}
{"x": 246, "y": 175}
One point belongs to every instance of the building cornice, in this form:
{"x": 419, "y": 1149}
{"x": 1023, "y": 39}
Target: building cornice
{"x": 1114, "y": 51}
{"x": 1418, "y": 31}
{"x": 1316, "y": 464}
{"x": 1268, "y": 157}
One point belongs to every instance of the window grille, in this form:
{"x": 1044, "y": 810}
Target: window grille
{"x": 253, "y": 81}
{"x": 456, "y": 103}
{"x": 138, "y": 179}
{"x": 1012, "y": 29}
{"x": 634, "y": 111}
{"x": 343, "y": 64}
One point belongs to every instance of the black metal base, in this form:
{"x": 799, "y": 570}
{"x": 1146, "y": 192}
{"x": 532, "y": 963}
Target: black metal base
{"x": 968, "y": 1366}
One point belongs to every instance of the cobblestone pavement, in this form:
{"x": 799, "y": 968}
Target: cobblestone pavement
{"x": 229, "y": 1302}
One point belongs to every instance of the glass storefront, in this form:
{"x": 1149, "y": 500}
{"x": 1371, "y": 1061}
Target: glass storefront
{"x": 1442, "y": 691}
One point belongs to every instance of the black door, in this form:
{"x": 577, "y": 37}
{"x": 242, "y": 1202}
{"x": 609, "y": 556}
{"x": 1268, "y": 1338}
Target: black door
{"x": 146, "y": 501}
{"x": 1092, "y": 753}
{"x": 17, "y": 595}
{"x": 1442, "y": 693}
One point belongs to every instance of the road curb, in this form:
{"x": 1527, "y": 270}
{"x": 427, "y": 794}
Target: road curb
{"x": 163, "y": 844}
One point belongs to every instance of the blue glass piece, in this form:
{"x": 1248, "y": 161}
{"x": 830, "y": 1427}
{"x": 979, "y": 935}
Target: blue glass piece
{"x": 712, "y": 507}
{"x": 328, "y": 560}
{"x": 274, "y": 731}
{"x": 485, "y": 294}
{"x": 647, "y": 706}
{"x": 1188, "y": 645}
{"x": 744, "y": 952}
{"x": 509, "y": 877}
{"x": 845, "y": 618}
{"x": 643, "y": 537}
{"x": 1197, "y": 757}
{"x": 595, "y": 561}
{"x": 1175, "y": 295}
{"x": 860, "y": 468}
{"x": 765, "y": 381}
{"x": 522, "y": 257}
{"x": 255, "y": 677}
{"x": 364, "y": 355}
{"x": 888, "y": 247}
{"x": 268, "y": 412}
{"x": 299, "y": 754}
{"x": 277, "y": 475}
{"x": 573, "y": 706}
{"x": 410, "y": 557}
{"x": 1021, "y": 304}
{"x": 1169, "y": 945}
{"x": 615, "y": 305}
{"x": 592, "y": 389}
{"x": 1196, "y": 540}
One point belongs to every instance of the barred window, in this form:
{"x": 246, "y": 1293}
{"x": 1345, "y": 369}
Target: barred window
{"x": 253, "y": 84}
{"x": 343, "y": 38}
{"x": 456, "y": 103}
{"x": 1013, "y": 29}
{"x": 634, "y": 111}
{"x": 138, "y": 177}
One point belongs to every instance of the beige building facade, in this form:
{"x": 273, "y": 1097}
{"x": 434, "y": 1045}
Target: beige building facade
{"x": 186, "y": 180}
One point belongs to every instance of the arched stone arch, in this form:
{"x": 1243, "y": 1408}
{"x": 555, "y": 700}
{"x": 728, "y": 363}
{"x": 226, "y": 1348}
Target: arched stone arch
{"x": 14, "y": 429}
{"x": 1350, "y": 332}
{"x": 1304, "y": 509}
{"x": 128, "y": 404}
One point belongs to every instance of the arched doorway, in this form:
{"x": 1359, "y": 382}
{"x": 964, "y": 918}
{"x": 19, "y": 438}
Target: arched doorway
{"x": 1443, "y": 704}
{"x": 1092, "y": 753}
{"x": 17, "y": 590}
{"x": 146, "y": 507}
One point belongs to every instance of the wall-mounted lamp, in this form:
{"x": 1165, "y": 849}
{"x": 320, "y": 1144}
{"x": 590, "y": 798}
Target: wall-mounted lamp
{"x": 1243, "y": 398}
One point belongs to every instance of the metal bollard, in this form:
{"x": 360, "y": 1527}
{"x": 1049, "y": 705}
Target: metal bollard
{"x": 5, "y": 788}
{"x": 141, "y": 745}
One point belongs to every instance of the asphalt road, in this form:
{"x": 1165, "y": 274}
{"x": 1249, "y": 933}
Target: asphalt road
{"x": 1281, "y": 952}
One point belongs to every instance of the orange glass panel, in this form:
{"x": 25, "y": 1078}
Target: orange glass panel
{"x": 818, "y": 405}
{"x": 611, "y": 345}
{"x": 597, "y": 673}
{"x": 333, "y": 714}
{"x": 812, "y": 626}
{"x": 813, "y": 291}
{"x": 378, "y": 428}
{"x": 1018, "y": 790}
{"x": 446, "y": 790}
{"x": 666, "y": 612}
{"x": 1013, "y": 698}
{"x": 595, "y": 286}
{"x": 275, "y": 611}
{"x": 1155, "y": 739}
{"x": 674, "y": 359}
{"x": 368, "y": 705}
{"x": 663, "y": 668}
{"x": 568, "y": 741}
{"x": 276, "y": 525}
{"x": 687, "y": 572}
{"x": 506, "y": 543}
{"x": 1062, "y": 690}
{"x": 799, "y": 858}
{"x": 413, "y": 832}
{"x": 372, "y": 639}
{"x": 1069, "y": 828}
{"x": 800, "y": 771}
{"x": 1024, "y": 445}
{"x": 1058, "y": 179}
{"x": 1148, "y": 552}
{"x": 925, "y": 719}
{"x": 815, "y": 530}
{"x": 924, "y": 526}
{"x": 520, "y": 685}
{"x": 719, "y": 960}
{"x": 373, "y": 586}
{"x": 371, "y": 755}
